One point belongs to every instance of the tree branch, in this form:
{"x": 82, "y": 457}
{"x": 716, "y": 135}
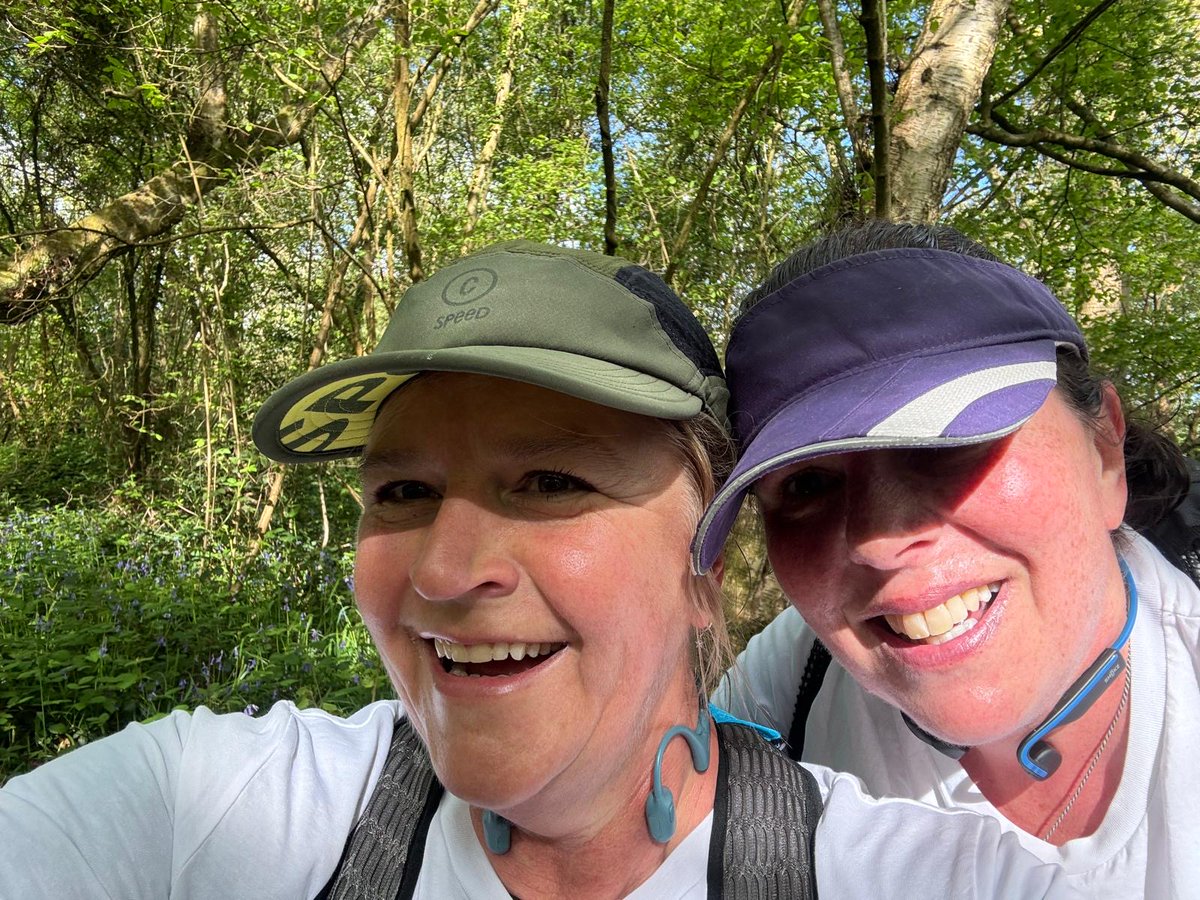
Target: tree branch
{"x": 457, "y": 37}
{"x": 844, "y": 85}
{"x": 606, "y": 142}
{"x": 1153, "y": 174}
{"x": 778, "y": 47}
{"x": 481, "y": 174}
{"x": 69, "y": 258}
{"x": 1068, "y": 39}
{"x": 874, "y": 23}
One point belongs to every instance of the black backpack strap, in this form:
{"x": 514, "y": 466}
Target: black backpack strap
{"x": 382, "y": 857}
{"x": 764, "y": 822}
{"x": 1177, "y": 534}
{"x": 810, "y": 686}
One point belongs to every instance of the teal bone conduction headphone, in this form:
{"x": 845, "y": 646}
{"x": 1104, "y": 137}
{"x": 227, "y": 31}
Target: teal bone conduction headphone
{"x": 660, "y": 805}
{"x": 1036, "y": 754}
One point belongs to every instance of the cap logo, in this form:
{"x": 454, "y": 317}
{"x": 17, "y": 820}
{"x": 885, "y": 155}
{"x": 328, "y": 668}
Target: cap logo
{"x": 337, "y": 416}
{"x": 469, "y": 286}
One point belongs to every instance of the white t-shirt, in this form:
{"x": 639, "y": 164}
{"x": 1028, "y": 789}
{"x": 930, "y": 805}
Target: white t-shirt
{"x": 207, "y": 806}
{"x": 1149, "y": 842}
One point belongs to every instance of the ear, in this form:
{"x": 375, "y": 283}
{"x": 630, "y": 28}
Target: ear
{"x": 706, "y": 601}
{"x": 1109, "y": 440}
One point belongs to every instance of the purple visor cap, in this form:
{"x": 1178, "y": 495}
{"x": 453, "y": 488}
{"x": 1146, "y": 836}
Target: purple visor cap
{"x": 892, "y": 348}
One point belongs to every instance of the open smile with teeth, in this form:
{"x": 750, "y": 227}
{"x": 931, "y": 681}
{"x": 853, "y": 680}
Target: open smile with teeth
{"x": 948, "y": 619}
{"x": 493, "y": 660}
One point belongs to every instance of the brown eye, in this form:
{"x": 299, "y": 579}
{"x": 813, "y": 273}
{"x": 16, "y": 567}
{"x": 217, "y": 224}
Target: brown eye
{"x": 404, "y": 492}
{"x": 557, "y": 483}
{"x": 808, "y": 485}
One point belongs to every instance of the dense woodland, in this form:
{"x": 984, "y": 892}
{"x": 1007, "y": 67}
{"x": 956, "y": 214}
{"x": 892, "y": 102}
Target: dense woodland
{"x": 201, "y": 200}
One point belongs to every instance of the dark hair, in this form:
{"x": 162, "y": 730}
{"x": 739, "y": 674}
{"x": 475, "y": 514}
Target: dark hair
{"x": 874, "y": 234}
{"x": 1156, "y": 472}
{"x": 1155, "y": 468}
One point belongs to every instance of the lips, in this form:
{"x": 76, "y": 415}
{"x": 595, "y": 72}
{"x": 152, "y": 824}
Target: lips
{"x": 947, "y": 620}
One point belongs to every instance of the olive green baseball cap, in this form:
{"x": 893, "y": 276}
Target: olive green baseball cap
{"x": 592, "y": 326}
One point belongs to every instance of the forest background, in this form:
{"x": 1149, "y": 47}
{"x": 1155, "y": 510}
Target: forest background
{"x": 200, "y": 201}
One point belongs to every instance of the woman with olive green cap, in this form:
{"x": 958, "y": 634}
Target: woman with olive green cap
{"x": 538, "y": 433}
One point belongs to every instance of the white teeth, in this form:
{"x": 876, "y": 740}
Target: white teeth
{"x": 961, "y": 628}
{"x": 478, "y": 653}
{"x": 945, "y": 621}
{"x": 957, "y": 608}
{"x": 914, "y": 626}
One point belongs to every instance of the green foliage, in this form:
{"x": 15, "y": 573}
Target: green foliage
{"x": 107, "y": 619}
{"x": 128, "y": 485}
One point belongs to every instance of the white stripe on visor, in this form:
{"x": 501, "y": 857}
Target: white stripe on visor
{"x": 931, "y": 413}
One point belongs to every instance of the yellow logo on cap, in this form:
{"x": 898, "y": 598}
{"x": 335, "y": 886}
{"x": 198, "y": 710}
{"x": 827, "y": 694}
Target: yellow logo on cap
{"x": 338, "y": 415}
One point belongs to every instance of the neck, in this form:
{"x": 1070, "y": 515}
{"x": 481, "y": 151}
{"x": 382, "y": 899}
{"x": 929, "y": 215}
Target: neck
{"x": 605, "y": 851}
{"x": 1035, "y": 806}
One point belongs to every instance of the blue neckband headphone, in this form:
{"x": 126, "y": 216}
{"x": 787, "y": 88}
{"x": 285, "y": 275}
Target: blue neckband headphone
{"x": 1036, "y": 754}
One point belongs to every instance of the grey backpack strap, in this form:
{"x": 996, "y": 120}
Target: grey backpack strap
{"x": 764, "y": 822}
{"x": 382, "y": 857}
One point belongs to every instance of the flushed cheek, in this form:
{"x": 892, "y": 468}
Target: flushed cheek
{"x": 803, "y": 565}
{"x": 575, "y": 562}
{"x": 1015, "y": 485}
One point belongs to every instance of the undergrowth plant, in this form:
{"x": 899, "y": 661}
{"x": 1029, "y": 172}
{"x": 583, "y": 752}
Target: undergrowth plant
{"x": 107, "y": 619}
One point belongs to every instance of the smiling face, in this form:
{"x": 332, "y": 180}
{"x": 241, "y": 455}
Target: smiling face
{"x": 968, "y": 586}
{"x": 522, "y": 568}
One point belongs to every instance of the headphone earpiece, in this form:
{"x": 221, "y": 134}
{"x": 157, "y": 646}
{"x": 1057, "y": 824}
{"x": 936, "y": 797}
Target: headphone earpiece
{"x": 660, "y": 814}
{"x": 1047, "y": 758}
{"x": 660, "y": 805}
{"x": 497, "y": 831}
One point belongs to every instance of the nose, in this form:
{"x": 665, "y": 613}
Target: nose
{"x": 891, "y": 522}
{"x": 463, "y": 554}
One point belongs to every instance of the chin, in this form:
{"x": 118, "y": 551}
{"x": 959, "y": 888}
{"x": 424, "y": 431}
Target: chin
{"x": 489, "y": 783}
{"x": 970, "y": 731}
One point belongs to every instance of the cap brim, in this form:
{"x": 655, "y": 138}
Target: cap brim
{"x": 327, "y": 413}
{"x": 951, "y": 399}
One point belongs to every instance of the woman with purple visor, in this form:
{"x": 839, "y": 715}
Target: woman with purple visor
{"x": 950, "y": 500}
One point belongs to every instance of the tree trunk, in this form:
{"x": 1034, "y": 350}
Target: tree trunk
{"x": 481, "y": 175}
{"x": 606, "y": 143}
{"x": 936, "y": 94}
{"x": 874, "y": 23}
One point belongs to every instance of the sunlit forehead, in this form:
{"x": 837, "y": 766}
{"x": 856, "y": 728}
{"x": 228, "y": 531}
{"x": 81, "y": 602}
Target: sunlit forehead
{"x": 481, "y": 419}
